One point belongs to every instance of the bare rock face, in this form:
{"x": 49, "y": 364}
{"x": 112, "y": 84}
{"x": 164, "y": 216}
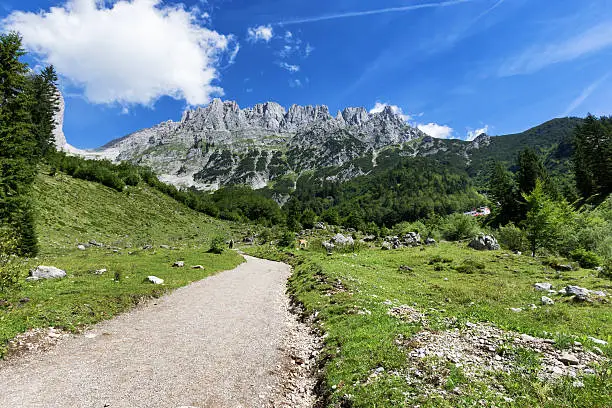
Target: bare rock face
{"x": 58, "y": 132}
{"x": 222, "y": 144}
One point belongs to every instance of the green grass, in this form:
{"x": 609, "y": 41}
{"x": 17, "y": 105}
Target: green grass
{"x": 448, "y": 281}
{"x": 72, "y": 211}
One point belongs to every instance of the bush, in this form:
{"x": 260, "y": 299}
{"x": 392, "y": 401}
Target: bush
{"x": 470, "y": 266}
{"x": 606, "y": 270}
{"x": 9, "y": 270}
{"x": 287, "y": 239}
{"x": 513, "y": 238}
{"x": 586, "y": 259}
{"x": 217, "y": 245}
{"x": 459, "y": 226}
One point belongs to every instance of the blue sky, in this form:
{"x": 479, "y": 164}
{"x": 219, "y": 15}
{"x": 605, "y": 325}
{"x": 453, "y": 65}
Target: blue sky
{"x": 450, "y": 66}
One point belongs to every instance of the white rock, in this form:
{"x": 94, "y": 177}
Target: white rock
{"x": 46, "y": 272}
{"x": 547, "y": 301}
{"x": 155, "y": 280}
{"x": 81, "y": 247}
{"x": 179, "y": 264}
{"x": 543, "y": 286}
{"x": 516, "y": 309}
{"x": 598, "y": 341}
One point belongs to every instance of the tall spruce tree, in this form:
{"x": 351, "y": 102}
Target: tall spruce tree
{"x": 592, "y": 157}
{"x": 530, "y": 169}
{"x": 45, "y": 101}
{"x": 505, "y": 195}
{"x": 17, "y": 145}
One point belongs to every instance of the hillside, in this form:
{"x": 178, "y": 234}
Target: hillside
{"x": 126, "y": 236}
{"x": 72, "y": 211}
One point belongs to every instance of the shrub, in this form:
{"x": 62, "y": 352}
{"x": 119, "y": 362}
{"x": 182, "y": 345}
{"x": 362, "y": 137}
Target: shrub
{"x": 606, "y": 270}
{"x": 459, "y": 226}
{"x": 9, "y": 270}
{"x": 217, "y": 245}
{"x": 470, "y": 266}
{"x": 287, "y": 239}
{"x": 586, "y": 259}
{"x": 512, "y": 237}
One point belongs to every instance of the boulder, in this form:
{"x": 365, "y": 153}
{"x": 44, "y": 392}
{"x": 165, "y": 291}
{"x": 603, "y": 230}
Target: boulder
{"x": 46, "y": 272}
{"x": 342, "y": 240}
{"x": 155, "y": 280}
{"x": 320, "y": 225}
{"x": 568, "y": 359}
{"x": 81, "y": 247}
{"x": 329, "y": 246}
{"x": 547, "y": 301}
{"x": 577, "y": 291}
{"x": 430, "y": 241}
{"x": 386, "y": 246}
{"x": 178, "y": 264}
{"x": 412, "y": 239}
{"x": 484, "y": 243}
{"x": 543, "y": 286}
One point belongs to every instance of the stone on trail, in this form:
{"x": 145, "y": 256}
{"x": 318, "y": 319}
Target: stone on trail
{"x": 568, "y": 359}
{"x": 178, "y": 264}
{"x": 155, "y": 280}
{"x": 46, "y": 272}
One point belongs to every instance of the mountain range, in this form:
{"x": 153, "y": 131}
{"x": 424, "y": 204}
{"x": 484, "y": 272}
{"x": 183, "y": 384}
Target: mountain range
{"x": 222, "y": 144}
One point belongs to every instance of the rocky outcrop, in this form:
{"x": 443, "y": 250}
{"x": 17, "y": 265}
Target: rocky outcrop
{"x": 46, "y": 272}
{"x": 223, "y": 144}
{"x": 484, "y": 242}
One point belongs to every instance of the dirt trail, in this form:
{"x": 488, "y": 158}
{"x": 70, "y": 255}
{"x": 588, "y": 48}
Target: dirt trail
{"x": 219, "y": 342}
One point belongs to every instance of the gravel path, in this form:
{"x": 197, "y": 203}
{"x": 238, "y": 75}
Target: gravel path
{"x": 217, "y": 343}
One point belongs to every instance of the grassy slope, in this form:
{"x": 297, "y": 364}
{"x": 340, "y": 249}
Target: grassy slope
{"x": 72, "y": 211}
{"x": 357, "y": 344}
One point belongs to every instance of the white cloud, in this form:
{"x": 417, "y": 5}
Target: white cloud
{"x": 584, "y": 95}
{"x": 289, "y": 67}
{"x": 260, "y": 33}
{"x": 130, "y": 52}
{"x": 308, "y": 50}
{"x": 379, "y": 107}
{"x": 234, "y": 54}
{"x": 295, "y": 83}
{"x": 438, "y": 131}
{"x": 536, "y": 58}
{"x": 288, "y": 35}
{"x": 472, "y": 134}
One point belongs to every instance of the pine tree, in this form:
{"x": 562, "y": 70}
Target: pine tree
{"x": 530, "y": 170}
{"x": 592, "y": 157}
{"x": 505, "y": 195}
{"x": 17, "y": 142}
{"x": 44, "y": 107}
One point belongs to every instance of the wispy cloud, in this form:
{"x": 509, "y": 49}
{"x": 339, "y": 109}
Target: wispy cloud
{"x": 260, "y": 33}
{"x": 379, "y": 107}
{"x": 473, "y": 134}
{"x": 585, "y": 94}
{"x": 372, "y": 12}
{"x": 536, "y": 58}
{"x": 289, "y": 67}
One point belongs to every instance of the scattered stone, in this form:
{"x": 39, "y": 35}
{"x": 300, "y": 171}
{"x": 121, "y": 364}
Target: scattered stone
{"x": 197, "y": 267}
{"x": 598, "y": 341}
{"x": 568, "y": 359}
{"x": 430, "y": 241}
{"x": 484, "y": 242}
{"x": 405, "y": 268}
{"x": 579, "y": 293}
{"x": 100, "y": 271}
{"x": 81, "y": 247}
{"x": 407, "y": 314}
{"x": 516, "y": 309}
{"x": 329, "y": 246}
{"x": 46, "y": 272}
{"x": 412, "y": 239}
{"x": 341, "y": 240}
{"x": 564, "y": 268}
{"x": 599, "y": 293}
{"x": 164, "y": 246}
{"x": 320, "y": 225}
{"x": 24, "y": 300}
{"x": 93, "y": 242}
{"x": 178, "y": 264}
{"x": 155, "y": 280}
{"x": 144, "y": 248}
{"x": 34, "y": 341}
{"x": 386, "y": 246}
{"x": 578, "y": 384}
{"x": 543, "y": 286}
{"x": 547, "y": 301}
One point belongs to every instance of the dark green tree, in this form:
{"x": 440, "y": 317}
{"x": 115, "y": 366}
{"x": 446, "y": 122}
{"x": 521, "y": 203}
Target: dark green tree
{"x": 592, "y": 158}
{"x": 45, "y": 104}
{"x": 18, "y": 150}
{"x": 530, "y": 170}
{"x": 505, "y": 195}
